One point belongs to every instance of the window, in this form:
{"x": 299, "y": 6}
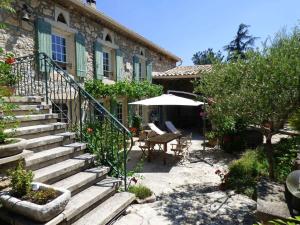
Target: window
{"x": 106, "y": 64}
{"x": 59, "y": 50}
{"x": 120, "y": 112}
{"x": 108, "y": 38}
{"x": 140, "y": 71}
{"x": 61, "y": 18}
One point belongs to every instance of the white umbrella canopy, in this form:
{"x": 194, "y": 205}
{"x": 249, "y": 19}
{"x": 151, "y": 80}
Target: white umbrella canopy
{"x": 167, "y": 99}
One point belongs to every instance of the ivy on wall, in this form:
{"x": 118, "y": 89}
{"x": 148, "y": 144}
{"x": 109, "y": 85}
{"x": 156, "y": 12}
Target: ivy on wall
{"x": 131, "y": 90}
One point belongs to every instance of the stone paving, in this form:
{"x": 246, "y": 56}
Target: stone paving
{"x": 188, "y": 192}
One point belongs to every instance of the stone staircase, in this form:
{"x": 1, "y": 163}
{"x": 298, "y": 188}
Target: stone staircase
{"x": 57, "y": 159}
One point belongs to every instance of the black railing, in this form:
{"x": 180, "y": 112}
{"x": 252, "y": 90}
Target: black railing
{"x": 106, "y": 137}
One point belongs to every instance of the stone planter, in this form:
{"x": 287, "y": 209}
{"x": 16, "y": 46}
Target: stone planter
{"x": 150, "y": 199}
{"x": 39, "y": 213}
{"x": 7, "y": 150}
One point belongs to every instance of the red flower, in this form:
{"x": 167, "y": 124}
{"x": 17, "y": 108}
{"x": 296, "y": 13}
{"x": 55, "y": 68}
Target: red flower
{"x": 10, "y": 60}
{"x": 89, "y": 130}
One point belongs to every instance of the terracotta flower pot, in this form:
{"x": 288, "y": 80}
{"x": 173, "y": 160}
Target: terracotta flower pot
{"x": 39, "y": 213}
{"x": 16, "y": 147}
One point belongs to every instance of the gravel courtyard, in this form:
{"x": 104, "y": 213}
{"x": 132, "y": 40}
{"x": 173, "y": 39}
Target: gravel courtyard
{"x": 187, "y": 192}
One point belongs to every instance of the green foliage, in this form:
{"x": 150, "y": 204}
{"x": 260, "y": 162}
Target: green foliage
{"x": 242, "y": 43}
{"x": 133, "y": 90}
{"x": 137, "y": 122}
{"x": 290, "y": 221}
{"x": 104, "y": 140}
{"x": 285, "y": 153}
{"x": 41, "y": 197}
{"x": 20, "y": 180}
{"x": 140, "y": 191}
{"x": 244, "y": 173}
{"x": 295, "y": 120}
{"x": 262, "y": 90}
{"x": 7, "y": 121}
{"x": 207, "y": 57}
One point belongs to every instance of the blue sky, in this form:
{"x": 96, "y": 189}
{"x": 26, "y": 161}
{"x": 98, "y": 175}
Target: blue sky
{"x": 187, "y": 26}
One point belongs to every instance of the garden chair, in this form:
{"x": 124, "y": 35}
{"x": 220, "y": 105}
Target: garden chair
{"x": 174, "y": 130}
{"x": 143, "y": 143}
{"x": 154, "y": 128}
{"x": 181, "y": 149}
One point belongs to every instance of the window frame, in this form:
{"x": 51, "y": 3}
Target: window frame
{"x": 62, "y": 43}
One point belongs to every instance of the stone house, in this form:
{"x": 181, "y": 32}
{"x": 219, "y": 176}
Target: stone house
{"x": 84, "y": 42}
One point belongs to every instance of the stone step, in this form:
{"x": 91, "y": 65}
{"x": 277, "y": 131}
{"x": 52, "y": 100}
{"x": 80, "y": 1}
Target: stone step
{"x": 108, "y": 210}
{"x": 51, "y": 141}
{"x": 61, "y": 170}
{"x": 36, "y": 119}
{"x": 78, "y": 205}
{"x": 38, "y": 130}
{"x": 54, "y": 155}
{"x": 82, "y": 180}
{"x": 31, "y": 109}
{"x": 23, "y": 100}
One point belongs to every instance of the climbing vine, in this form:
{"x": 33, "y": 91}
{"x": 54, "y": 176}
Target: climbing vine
{"x": 132, "y": 90}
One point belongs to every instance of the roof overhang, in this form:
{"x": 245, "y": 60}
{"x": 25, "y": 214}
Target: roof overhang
{"x": 111, "y": 23}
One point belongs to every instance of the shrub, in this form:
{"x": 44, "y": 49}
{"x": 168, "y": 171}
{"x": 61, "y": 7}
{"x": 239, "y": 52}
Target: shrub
{"x": 41, "y": 197}
{"x": 137, "y": 122}
{"x": 20, "y": 180}
{"x": 285, "y": 153}
{"x": 140, "y": 191}
{"x": 244, "y": 172}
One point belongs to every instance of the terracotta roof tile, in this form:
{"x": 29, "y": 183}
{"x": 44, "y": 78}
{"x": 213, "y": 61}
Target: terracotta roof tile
{"x": 183, "y": 72}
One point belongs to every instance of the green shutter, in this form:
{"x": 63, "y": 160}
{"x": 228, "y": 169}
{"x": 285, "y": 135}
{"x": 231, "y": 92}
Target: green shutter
{"x": 119, "y": 65}
{"x": 149, "y": 71}
{"x": 130, "y": 114}
{"x": 136, "y": 68}
{"x": 98, "y": 61}
{"x": 81, "y": 61}
{"x": 44, "y": 39}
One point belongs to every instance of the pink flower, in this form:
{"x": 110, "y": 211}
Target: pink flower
{"x": 89, "y": 130}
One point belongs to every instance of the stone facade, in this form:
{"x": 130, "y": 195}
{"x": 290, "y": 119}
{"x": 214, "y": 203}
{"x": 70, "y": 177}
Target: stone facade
{"x": 20, "y": 36}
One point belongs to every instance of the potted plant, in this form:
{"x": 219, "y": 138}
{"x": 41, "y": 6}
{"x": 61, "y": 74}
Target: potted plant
{"x": 9, "y": 146}
{"x": 37, "y": 201}
{"x": 212, "y": 139}
{"x": 136, "y": 123}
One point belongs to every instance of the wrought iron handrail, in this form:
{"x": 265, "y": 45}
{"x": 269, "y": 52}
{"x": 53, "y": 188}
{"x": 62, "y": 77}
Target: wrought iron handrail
{"x": 107, "y": 137}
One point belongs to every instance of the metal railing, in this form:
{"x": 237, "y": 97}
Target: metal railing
{"x": 106, "y": 137}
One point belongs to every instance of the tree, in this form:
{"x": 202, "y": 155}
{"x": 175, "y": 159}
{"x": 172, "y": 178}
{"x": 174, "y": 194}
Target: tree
{"x": 207, "y": 57}
{"x": 242, "y": 43}
{"x": 263, "y": 90}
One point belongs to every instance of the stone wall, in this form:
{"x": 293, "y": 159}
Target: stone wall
{"x": 19, "y": 37}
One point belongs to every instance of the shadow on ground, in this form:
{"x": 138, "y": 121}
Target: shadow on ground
{"x": 195, "y": 204}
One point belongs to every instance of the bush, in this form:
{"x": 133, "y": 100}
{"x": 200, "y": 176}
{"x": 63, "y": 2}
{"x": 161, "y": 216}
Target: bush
{"x": 140, "y": 191}
{"x": 285, "y": 153}
{"x": 20, "y": 181}
{"x": 244, "y": 173}
{"x": 41, "y": 197}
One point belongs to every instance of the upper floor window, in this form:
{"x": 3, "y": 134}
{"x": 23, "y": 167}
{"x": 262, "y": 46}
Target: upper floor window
{"x": 61, "y": 18}
{"x": 107, "y": 64}
{"x": 59, "y": 50}
{"x": 108, "y": 38}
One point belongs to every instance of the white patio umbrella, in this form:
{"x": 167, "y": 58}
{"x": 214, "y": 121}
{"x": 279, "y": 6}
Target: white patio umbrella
{"x": 167, "y": 99}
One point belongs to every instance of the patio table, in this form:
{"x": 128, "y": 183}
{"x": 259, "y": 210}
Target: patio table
{"x": 163, "y": 139}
